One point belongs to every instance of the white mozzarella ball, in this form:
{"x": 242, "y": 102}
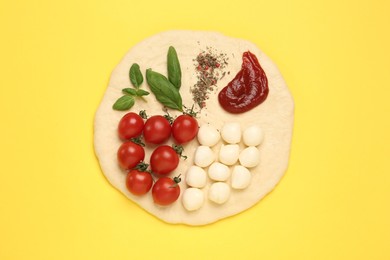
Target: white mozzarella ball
{"x": 219, "y": 192}
{"x": 241, "y": 177}
{"x": 228, "y": 154}
{"x": 249, "y": 157}
{"x": 219, "y": 172}
{"x": 208, "y": 135}
{"x": 253, "y": 136}
{"x": 192, "y": 199}
{"x": 204, "y": 156}
{"x": 231, "y": 133}
{"x": 196, "y": 177}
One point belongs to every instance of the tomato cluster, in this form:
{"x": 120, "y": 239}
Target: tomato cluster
{"x": 164, "y": 159}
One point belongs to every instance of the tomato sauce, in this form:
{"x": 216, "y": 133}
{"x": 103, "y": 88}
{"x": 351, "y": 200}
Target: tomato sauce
{"x": 248, "y": 89}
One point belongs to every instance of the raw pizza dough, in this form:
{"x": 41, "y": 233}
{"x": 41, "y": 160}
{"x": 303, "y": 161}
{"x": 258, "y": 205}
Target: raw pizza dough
{"x": 275, "y": 116}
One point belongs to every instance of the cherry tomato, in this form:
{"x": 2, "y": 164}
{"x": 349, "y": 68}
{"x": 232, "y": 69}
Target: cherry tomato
{"x": 164, "y": 160}
{"x": 130, "y": 154}
{"x": 166, "y": 191}
{"x": 157, "y": 130}
{"x": 139, "y": 182}
{"x": 131, "y": 125}
{"x": 184, "y": 129}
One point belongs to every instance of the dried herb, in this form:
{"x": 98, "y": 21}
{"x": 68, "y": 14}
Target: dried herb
{"x": 209, "y": 66}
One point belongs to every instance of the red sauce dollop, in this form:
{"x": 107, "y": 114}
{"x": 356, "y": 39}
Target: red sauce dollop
{"x": 248, "y": 89}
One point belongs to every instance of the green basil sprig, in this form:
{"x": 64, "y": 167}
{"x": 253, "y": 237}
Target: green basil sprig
{"x": 128, "y": 99}
{"x": 135, "y": 92}
{"x": 174, "y": 71}
{"x": 124, "y": 103}
{"x": 135, "y": 75}
{"x": 165, "y": 92}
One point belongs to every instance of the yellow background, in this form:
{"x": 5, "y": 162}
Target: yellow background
{"x": 56, "y": 59}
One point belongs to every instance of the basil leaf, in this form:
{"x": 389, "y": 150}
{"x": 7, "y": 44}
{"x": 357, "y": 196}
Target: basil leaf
{"x": 123, "y": 103}
{"x": 135, "y": 75}
{"x": 130, "y": 91}
{"x": 174, "y": 71}
{"x": 141, "y": 92}
{"x": 164, "y": 91}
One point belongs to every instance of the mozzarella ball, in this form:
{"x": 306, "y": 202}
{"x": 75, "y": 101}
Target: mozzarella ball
{"x": 192, "y": 199}
{"x": 208, "y": 135}
{"x": 249, "y": 157}
{"x": 219, "y": 172}
{"x": 204, "y": 156}
{"x": 196, "y": 177}
{"x": 241, "y": 177}
{"x": 228, "y": 154}
{"x": 231, "y": 133}
{"x": 253, "y": 136}
{"x": 219, "y": 192}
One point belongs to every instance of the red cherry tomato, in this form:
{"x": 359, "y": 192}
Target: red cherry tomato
{"x": 157, "y": 130}
{"x": 184, "y": 129}
{"x": 139, "y": 182}
{"x": 131, "y": 125}
{"x": 166, "y": 191}
{"x": 130, "y": 154}
{"x": 164, "y": 160}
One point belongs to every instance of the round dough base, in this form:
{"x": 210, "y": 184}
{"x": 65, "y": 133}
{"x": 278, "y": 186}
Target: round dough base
{"x": 275, "y": 116}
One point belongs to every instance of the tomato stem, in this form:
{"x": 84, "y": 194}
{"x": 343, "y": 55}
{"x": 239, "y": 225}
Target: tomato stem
{"x": 137, "y": 140}
{"x": 168, "y": 116}
{"x": 143, "y": 114}
{"x": 142, "y": 166}
{"x": 179, "y": 150}
{"x": 177, "y": 180}
{"x": 190, "y": 112}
